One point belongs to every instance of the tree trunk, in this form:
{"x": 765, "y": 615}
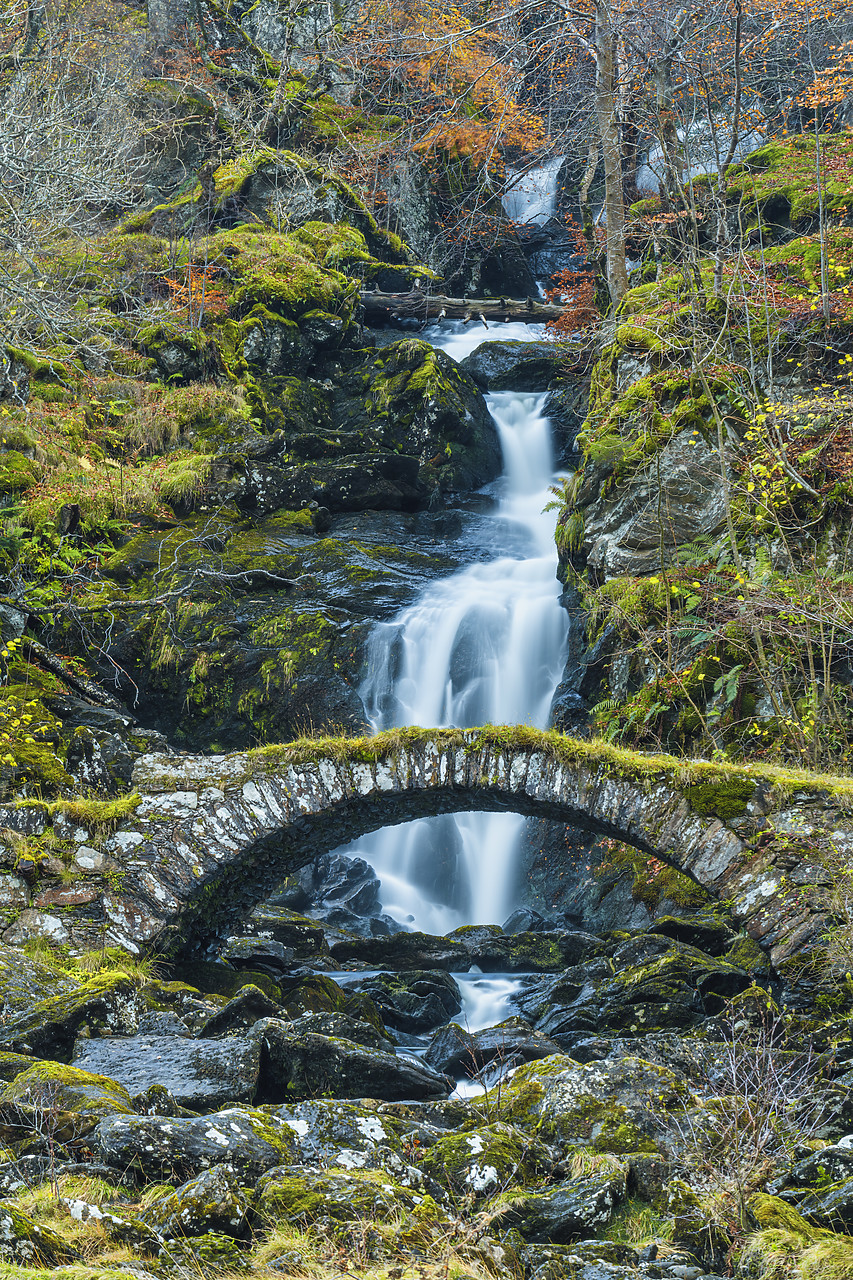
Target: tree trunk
{"x": 606, "y": 102}
{"x": 421, "y": 306}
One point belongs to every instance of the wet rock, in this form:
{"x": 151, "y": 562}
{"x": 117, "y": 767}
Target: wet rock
{"x": 335, "y": 879}
{"x": 405, "y": 951}
{"x": 265, "y": 954}
{"x": 307, "y": 992}
{"x": 572, "y": 1209}
{"x": 212, "y": 1201}
{"x": 162, "y": 1024}
{"x": 454, "y": 1050}
{"x": 651, "y": 983}
{"x": 413, "y": 1000}
{"x": 493, "y": 950}
{"x": 223, "y": 980}
{"x": 513, "y": 366}
{"x": 201, "y": 1074}
{"x": 526, "y": 920}
{"x": 343, "y": 1027}
{"x": 244, "y": 1140}
{"x": 295, "y": 1066}
{"x": 704, "y": 931}
{"x": 298, "y": 933}
{"x": 239, "y": 1014}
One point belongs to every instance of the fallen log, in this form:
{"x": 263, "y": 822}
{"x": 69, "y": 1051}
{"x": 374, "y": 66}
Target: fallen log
{"x": 417, "y": 305}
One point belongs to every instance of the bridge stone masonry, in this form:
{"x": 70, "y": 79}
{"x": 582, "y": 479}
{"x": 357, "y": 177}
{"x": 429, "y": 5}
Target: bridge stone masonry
{"x": 206, "y": 838}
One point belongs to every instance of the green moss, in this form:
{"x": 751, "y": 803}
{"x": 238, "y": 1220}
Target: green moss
{"x": 68, "y": 1089}
{"x": 315, "y": 994}
{"x": 727, "y": 798}
{"x": 780, "y": 177}
{"x": 222, "y": 980}
{"x": 97, "y": 815}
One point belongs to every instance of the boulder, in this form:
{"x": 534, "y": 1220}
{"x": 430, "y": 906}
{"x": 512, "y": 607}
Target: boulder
{"x": 570, "y": 1210}
{"x": 405, "y": 951}
{"x": 58, "y": 1009}
{"x": 413, "y": 1000}
{"x": 615, "y": 1105}
{"x": 704, "y": 931}
{"x": 201, "y": 1074}
{"x": 651, "y": 983}
{"x": 265, "y": 954}
{"x": 623, "y": 529}
{"x": 454, "y": 1050}
{"x": 299, "y": 933}
{"x": 332, "y": 1132}
{"x": 514, "y": 366}
{"x": 25, "y": 1243}
{"x": 239, "y": 1014}
{"x": 487, "y": 1159}
{"x": 212, "y": 1201}
{"x": 493, "y": 950}
{"x": 295, "y": 1066}
{"x": 244, "y": 1140}
{"x": 526, "y": 920}
{"x": 211, "y": 1254}
{"x": 334, "y": 1201}
{"x": 342, "y": 1026}
{"x": 67, "y": 1100}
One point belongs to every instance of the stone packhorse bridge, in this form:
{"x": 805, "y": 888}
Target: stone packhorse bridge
{"x": 211, "y": 836}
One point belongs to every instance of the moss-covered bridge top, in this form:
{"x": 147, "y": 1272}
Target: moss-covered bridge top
{"x": 208, "y": 837}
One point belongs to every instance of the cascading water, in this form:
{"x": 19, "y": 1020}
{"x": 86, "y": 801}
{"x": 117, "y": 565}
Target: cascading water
{"x": 486, "y": 645}
{"x": 531, "y": 196}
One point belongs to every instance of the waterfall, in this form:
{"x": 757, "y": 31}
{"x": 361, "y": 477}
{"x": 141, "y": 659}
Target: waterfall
{"x": 486, "y": 645}
{"x": 532, "y": 196}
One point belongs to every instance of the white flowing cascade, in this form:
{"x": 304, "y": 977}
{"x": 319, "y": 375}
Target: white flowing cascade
{"x": 532, "y": 196}
{"x": 486, "y": 645}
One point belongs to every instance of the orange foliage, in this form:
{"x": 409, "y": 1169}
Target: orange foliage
{"x": 457, "y": 78}
{"x": 197, "y": 294}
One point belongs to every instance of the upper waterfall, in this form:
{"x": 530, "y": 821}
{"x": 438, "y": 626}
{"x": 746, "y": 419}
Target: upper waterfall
{"x": 532, "y": 196}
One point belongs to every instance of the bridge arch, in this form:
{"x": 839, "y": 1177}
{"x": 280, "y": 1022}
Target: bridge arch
{"x": 214, "y": 835}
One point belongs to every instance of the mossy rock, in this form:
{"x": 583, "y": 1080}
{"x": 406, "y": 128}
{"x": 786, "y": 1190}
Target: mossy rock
{"x": 609, "y": 1106}
{"x": 338, "y": 1203}
{"x": 24, "y": 1243}
{"x": 105, "y": 1002}
{"x": 211, "y": 1254}
{"x": 76, "y": 1099}
{"x": 12, "y": 1064}
{"x": 315, "y": 994}
{"x": 222, "y": 980}
{"x": 485, "y": 1160}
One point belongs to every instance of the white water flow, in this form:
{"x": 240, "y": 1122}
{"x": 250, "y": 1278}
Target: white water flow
{"x": 486, "y": 645}
{"x": 531, "y": 196}
{"x": 486, "y": 998}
